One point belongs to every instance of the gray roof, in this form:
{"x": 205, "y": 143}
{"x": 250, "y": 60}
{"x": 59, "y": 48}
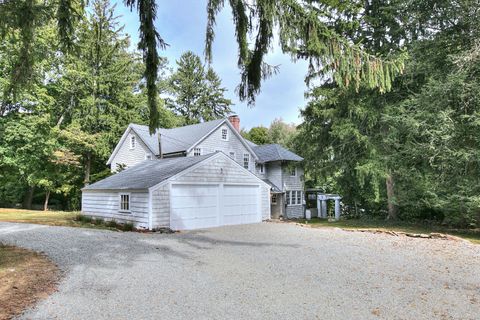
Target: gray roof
{"x": 176, "y": 139}
{"x": 147, "y": 173}
{"x": 275, "y": 152}
{"x": 272, "y": 186}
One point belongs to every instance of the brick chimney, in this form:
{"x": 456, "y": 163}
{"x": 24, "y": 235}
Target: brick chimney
{"x": 235, "y": 121}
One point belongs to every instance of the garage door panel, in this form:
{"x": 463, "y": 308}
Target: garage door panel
{"x": 194, "y": 206}
{"x": 241, "y": 204}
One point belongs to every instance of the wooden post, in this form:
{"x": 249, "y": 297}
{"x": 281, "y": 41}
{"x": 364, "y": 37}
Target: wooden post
{"x": 324, "y": 209}
{"x": 319, "y": 208}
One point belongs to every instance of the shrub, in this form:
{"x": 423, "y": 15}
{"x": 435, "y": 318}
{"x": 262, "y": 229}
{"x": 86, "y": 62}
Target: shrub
{"x": 128, "y": 226}
{"x": 84, "y": 219}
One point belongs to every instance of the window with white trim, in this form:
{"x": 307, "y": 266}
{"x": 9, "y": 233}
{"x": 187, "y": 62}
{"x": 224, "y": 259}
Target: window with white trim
{"x": 197, "y": 151}
{"x": 246, "y": 160}
{"x": 293, "y": 172}
{"x": 261, "y": 168}
{"x": 294, "y": 197}
{"x": 232, "y": 154}
{"x": 274, "y": 198}
{"x": 125, "y": 202}
{"x": 224, "y": 134}
{"x": 133, "y": 142}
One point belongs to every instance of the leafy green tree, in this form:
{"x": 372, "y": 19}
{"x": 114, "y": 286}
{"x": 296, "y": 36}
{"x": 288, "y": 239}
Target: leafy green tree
{"x": 307, "y": 30}
{"x": 198, "y": 95}
{"x": 282, "y": 133}
{"x": 258, "y": 135}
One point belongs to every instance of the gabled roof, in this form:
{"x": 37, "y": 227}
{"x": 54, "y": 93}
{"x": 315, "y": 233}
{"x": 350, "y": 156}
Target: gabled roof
{"x": 275, "y": 152}
{"x": 147, "y": 173}
{"x": 176, "y": 139}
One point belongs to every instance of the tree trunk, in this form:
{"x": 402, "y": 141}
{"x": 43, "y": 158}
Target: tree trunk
{"x": 47, "y": 196}
{"x": 392, "y": 207}
{"x": 88, "y": 165}
{"x": 27, "y": 200}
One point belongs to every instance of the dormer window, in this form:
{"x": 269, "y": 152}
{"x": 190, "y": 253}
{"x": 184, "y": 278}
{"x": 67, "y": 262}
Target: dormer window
{"x": 224, "y": 134}
{"x": 133, "y": 142}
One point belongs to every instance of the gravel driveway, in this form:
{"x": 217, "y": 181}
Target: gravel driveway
{"x": 261, "y": 271}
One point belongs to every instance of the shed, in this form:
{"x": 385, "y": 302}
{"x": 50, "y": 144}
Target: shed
{"x": 180, "y": 193}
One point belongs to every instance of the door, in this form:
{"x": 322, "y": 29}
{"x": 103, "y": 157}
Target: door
{"x": 194, "y": 206}
{"x": 241, "y": 204}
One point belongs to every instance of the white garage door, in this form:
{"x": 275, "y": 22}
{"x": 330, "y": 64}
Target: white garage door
{"x": 204, "y": 206}
{"x": 241, "y": 204}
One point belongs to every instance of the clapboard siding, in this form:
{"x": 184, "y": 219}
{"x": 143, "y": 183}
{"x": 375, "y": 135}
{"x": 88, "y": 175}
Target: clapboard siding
{"x": 292, "y": 183}
{"x": 161, "y": 207}
{"x": 106, "y": 205}
{"x": 294, "y": 212}
{"x": 129, "y": 157}
{"x": 214, "y": 142}
{"x": 274, "y": 173}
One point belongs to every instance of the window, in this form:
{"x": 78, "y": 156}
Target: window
{"x": 125, "y": 202}
{"x": 293, "y": 172}
{"x": 197, "y": 152}
{"x": 274, "y": 198}
{"x": 232, "y": 154}
{"x": 246, "y": 160}
{"x": 261, "y": 168}
{"x": 133, "y": 142}
{"x": 148, "y": 156}
{"x": 224, "y": 134}
{"x": 294, "y": 197}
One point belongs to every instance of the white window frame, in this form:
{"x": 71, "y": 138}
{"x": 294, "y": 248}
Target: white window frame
{"x": 129, "y": 202}
{"x": 133, "y": 142}
{"x": 224, "y": 134}
{"x": 294, "y": 171}
{"x": 232, "y": 154}
{"x": 246, "y": 161}
{"x": 294, "y": 197}
{"x": 197, "y": 152}
{"x": 262, "y": 168}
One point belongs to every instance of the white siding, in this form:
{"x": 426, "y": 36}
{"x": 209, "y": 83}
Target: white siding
{"x": 274, "y": 173}
{"x": 218, "y": 170}
{"x": 130, "y": 157}
{"x": 214, "y": 142}
{"x": 161, "y": 207}
{"x": 106, "y": 205}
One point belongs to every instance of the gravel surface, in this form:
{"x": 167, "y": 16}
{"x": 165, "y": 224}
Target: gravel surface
{"x": 261, "y": 271}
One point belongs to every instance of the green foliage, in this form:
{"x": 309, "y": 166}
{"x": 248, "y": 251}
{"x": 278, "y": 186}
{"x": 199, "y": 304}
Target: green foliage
{"x": 421, "y": 134}
{"x": 279, "y": 132}
{"x": 198, "y": 94}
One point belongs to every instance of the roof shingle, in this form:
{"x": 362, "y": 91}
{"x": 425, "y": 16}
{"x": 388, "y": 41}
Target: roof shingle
{"x": 147, "y": 173}
{"x": 275, "y": 152}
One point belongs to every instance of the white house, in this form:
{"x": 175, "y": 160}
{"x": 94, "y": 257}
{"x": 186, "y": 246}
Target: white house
{"x": 196, "y": 176}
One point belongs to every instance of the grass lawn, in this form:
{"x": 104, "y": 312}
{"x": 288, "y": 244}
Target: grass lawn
{"x": 51, "y": 218}
{"x": 25, "y": 277}
{"x": 472, "y": 235}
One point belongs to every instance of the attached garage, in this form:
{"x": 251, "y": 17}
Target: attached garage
{"x": 182, "y": 194}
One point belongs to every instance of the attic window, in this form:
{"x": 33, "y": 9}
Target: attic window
{"x": 197, "y": 152}
{"x": 246, "y": 160}
{"x": 133, "y": 142}
{"x": 224, "y": 134}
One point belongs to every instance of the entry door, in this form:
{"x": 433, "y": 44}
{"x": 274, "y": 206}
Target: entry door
{"x": 241, "y": 204}
{"x": 194, "y": 206}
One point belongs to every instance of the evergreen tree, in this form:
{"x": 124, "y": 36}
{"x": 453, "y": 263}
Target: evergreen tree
{"x": 197, "y": 94}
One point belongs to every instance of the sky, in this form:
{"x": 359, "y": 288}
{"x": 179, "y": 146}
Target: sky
{"x": 182, "y": 26}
